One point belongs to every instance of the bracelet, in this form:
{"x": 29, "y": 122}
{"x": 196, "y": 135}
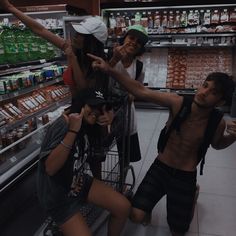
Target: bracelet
{"x": 69, "y": 147}
{"x": 73, "y": 131}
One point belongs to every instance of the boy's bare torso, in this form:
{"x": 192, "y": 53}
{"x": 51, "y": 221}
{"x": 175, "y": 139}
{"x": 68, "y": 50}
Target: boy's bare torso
{"x": 182, "y": 147}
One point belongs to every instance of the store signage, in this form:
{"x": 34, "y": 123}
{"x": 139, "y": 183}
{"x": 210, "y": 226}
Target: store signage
{"x": 60, "y": 7}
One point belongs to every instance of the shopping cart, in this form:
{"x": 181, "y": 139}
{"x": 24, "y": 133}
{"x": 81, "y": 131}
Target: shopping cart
{"x": 113, "y": 171}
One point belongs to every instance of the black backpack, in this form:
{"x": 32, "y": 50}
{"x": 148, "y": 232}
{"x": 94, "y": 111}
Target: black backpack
{"x": 214, "y": 120}
{"x": 139, "y": 68}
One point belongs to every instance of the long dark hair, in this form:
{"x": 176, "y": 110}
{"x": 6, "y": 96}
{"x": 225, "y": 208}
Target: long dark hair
{"x": 94, "y": 46}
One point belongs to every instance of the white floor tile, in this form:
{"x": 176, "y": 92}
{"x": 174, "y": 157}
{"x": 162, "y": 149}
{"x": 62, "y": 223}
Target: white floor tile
{"x": 215, "y": 212}
{"x": 216, "y": 215}
{"x": 220, "y": 181}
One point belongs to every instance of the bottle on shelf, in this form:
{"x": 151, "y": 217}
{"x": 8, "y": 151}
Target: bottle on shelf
{"x": 207, "y": 17}
{"x": 215, "y": 17}
{"x": 177, "y": 19}
{"x": 33, "y": 45}
{"x": 157, "y": 22}
{"x": 144, "y": 20}
{"x": 127, "y": 20}
{"x": 10, "y": 45}
{"x": 183, "y": 19}
{"x": 23, "y": 49}
{"x": 112, "y": 24}
{"x": 137, "y": 18}
{"x": 150, "y": 22}
{"x": 171, "y": 19}
{"x": 2, "y": 50}
{"x": 164, "y": 20}
{"x": 232, "y": 15}
{"x": 224, "y": 16}
{"x": 190, "y": 18}
{"x": 118, "y": 27}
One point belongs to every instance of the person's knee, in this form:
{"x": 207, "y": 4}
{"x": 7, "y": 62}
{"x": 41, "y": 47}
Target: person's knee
{"x": 122, "y": 209}
{"x": 137, "y": 216}
{"x": 173, "y": 233}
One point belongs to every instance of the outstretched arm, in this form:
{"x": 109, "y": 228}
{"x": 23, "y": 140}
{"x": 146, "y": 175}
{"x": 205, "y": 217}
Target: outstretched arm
{"x": 34, "y": 25}
{"x": 78, "y": 75}
{"x": 135, "y": 87}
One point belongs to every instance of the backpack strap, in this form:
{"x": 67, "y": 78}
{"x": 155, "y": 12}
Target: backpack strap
{"x": 139, "y": 68}
{"x": 213, "y": 122}
{"x": 176, "y": 123}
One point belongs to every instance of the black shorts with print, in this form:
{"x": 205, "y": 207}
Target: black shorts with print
{"x": 59, "y": 205}
{"x": 178, "y": 186}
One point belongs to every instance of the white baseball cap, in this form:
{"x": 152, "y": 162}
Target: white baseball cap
{"x": 92, "y": 25}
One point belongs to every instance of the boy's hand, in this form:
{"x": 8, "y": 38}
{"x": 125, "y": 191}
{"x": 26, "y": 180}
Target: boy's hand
{"x": 231, "y": 128}
{"x": 99, "y": 63}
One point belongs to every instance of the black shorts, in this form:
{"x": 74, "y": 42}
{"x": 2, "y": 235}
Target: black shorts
{"x": 178, "y": 186}
{"x": 59, "y": 205}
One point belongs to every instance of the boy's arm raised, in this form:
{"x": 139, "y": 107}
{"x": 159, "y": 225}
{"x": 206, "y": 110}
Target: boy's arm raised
{"x": 134, "y": 87}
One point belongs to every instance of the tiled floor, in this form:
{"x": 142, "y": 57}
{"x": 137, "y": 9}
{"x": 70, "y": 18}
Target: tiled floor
{"x": 215, "y": 213}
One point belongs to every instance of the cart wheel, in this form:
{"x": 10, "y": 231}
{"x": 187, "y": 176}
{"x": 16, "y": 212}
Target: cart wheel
{"x": 52, "y": 229}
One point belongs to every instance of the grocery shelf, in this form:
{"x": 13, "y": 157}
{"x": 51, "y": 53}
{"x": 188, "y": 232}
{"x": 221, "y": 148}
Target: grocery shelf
{"x": 6, "y": 69}
{"x": 42, "y": 111}
{"x": 24, "y": 91}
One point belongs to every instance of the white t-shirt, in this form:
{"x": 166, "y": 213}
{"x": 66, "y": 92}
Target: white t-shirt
{"x": 131, "y": 70}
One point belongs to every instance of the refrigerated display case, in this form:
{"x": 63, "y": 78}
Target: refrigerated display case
{"x": 32, "y": 95}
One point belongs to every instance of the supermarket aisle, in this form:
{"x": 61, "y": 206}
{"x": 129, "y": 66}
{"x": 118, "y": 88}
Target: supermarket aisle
{"x": 215, "y": 212}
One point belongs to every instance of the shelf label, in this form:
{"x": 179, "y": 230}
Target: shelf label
{"x": 13, "y": 159}
{"x": 41, "y": 85}
{"x": 16, "y": 94}
{"x": 38, "y": 141}
{"x": 42, "y": 61}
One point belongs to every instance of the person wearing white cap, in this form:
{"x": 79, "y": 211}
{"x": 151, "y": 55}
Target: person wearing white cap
{"x": 89, "y": 37}
{"x": 92, "y": 27}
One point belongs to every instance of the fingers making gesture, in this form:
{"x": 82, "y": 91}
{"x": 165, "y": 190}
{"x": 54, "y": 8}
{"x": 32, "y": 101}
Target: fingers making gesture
{"x": 75, "y": 120}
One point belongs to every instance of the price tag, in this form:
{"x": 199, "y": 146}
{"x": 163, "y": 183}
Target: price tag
{"x": 57, "y": 80}
{"x": 13, "y": 159}
{"x": 41, "y": 85}
{"x": 16, "y": 94}
{"x": 42, "y": 61}
{"x": 38, "y": 142}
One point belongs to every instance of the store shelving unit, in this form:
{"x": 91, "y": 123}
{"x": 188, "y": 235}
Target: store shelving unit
{"x": 174, "y": 43}
{"x": 18, "y": 159}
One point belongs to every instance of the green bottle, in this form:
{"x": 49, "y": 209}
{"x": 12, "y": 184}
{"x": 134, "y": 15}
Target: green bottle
{"x": 42, "y": 43}
{"x": 2, "y": 50}
{"x": 33, "y": 46}
{"x": 10, "y": 46}
{"x": 23, "y": 50}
